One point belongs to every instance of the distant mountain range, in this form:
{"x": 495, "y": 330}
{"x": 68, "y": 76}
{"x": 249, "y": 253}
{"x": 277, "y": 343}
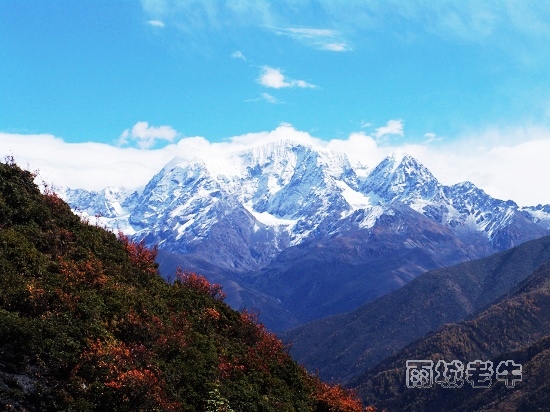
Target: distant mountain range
{"x": 516, "y": 327}
{"x": 301, "y": 233}
{"x": 344, "y": 346}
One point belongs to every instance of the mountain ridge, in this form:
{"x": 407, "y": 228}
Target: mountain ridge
{"x": 359, "y": 339}
{"x": 515, "y": 327}
{"x": 284, "y": 165}
{"x": 241, "y": 212}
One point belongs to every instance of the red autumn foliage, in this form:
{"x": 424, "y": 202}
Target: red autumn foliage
{"x": 126, "y": 370}
{"x": 334, "y": 398}
{"x": 211, "y": 314}
{"x": 228, "y": 367}
{"x": 89, "y": 272}
{"x": 55, "y": 203}
{"x": 140, "y": 255}
{"x": 199, "y": 283}
{"x": 264, "y": 346}
{"x": 165, "y": 334}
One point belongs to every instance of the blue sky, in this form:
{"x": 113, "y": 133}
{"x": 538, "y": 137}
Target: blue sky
{"x": 443, "y": 74}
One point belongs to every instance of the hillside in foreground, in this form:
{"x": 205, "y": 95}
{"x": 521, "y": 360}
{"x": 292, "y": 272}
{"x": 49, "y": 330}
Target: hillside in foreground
{"x": 87, "y": 324}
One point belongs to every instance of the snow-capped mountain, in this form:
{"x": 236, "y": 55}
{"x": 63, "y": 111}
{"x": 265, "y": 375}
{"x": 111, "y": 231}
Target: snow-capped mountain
{"x": 260, "y": 212}
{"x": 107, "y": 202}
{"x": 293, "y": 186}
{"x": 292, "y": 191}
{"x": 404, "y": 179}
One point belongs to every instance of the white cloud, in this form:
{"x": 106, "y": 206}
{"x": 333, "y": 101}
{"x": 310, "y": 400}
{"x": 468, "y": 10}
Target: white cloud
{"x": 322, "y": 39}
{"x": 307, "y": 33}
{"x": 507, "y": 164}
{"x": 156, "y": 23}
{"x": 274, "y": 78}
{"x": 83, "y": 165}
{"x": 146, "y": 136}
{"x": 269, "y": 98}
{"x": 337, "y": 47}
{"x": 359, "y": 147}
{"x": 238, "y": 55}
{"x": 265, "y": 97}
{"x": 393, "y": 127}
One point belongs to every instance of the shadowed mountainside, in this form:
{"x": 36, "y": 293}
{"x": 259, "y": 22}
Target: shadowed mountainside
{"x": 342, "y": 346}
{"x": 516, "y": 328}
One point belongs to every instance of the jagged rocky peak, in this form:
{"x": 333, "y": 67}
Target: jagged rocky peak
{"x": 181, "y": 188}
{"x": 466, "y": 197}
{"x": 401, "y": 177}
{"x": 181, "y": 178}
{"x": 278, "y": 159}
{"x": 286, "y": 155}
{"x": 467, "y": 188}
{"x": 273, "y": 152}
{"x": 108, "y": 202}
{"x": 405, "y": 168}
{"x": 185, "y": 167}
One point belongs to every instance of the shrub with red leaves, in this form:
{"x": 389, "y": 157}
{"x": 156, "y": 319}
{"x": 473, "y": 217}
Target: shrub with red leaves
{"x": 199, "y": 283}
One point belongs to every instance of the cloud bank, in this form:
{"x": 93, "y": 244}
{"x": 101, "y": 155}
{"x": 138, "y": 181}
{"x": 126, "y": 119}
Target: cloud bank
{"x": 507, "y": 164}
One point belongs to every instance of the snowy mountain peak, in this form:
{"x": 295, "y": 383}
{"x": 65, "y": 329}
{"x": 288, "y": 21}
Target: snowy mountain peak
{"x": 108, "y": 202}
{"x": 401, "y": 177}
{"x": 395, "y": 159}
{"x": 186, "y": 166}
{"x": 272, "y": 151}
{"x": 466, "y": 187}
{"x": 287, "y": 154}
{"x": 403, "y": 163}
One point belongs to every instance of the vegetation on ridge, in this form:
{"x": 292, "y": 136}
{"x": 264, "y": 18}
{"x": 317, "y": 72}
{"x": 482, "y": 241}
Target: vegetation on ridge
{"x": 87, "y": 324}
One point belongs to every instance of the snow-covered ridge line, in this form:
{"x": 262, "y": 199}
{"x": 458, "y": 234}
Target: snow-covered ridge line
{"x": 283, "y": 193}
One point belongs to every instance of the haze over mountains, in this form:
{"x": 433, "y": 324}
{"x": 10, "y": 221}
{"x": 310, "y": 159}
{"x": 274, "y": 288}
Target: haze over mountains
{"x": 301, "y": 233}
